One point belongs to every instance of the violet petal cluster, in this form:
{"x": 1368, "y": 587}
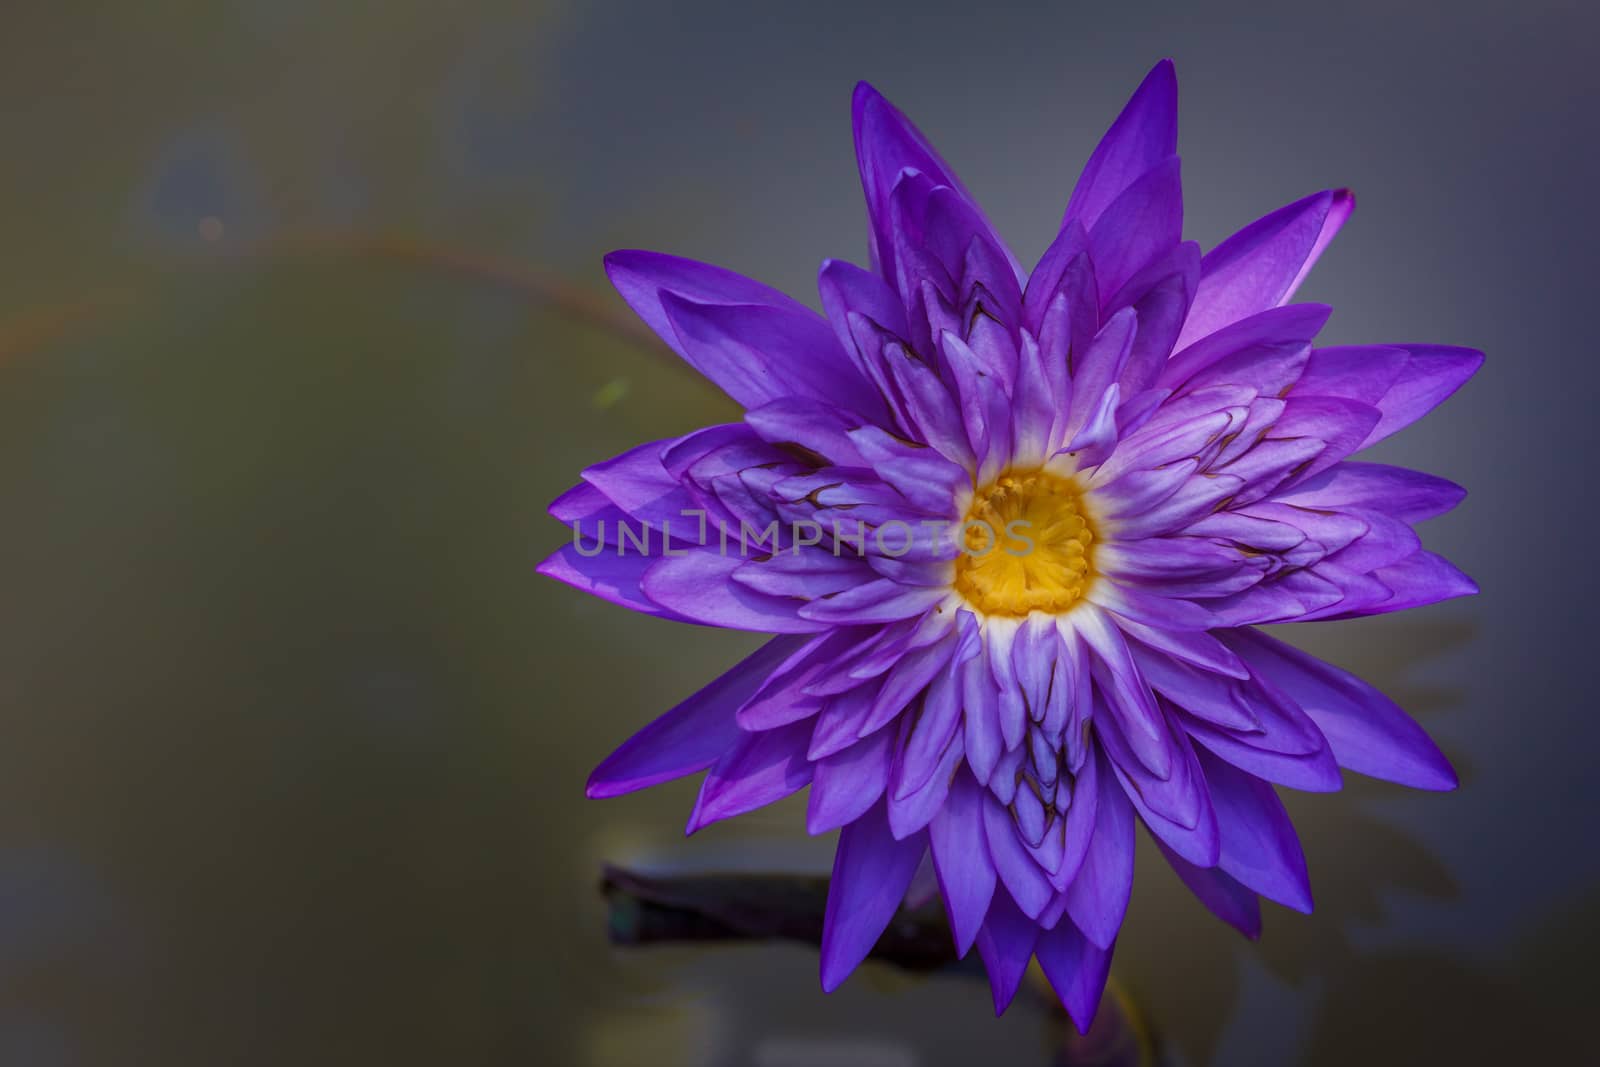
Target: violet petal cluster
{"x": 1161, "y": 457}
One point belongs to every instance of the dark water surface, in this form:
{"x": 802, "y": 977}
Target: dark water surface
{"x": 294, "y": 738}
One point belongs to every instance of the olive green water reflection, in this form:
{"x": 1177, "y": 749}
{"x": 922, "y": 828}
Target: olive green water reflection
{"x": 293, "y": 737}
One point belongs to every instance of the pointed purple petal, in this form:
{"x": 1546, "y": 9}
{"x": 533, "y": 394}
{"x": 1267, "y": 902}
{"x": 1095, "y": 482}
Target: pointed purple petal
{"x": 1205, "y": 695}
{"x": 981, "y": 716}
{"x": 638, "y": 483}
{"x": 879, "y": 601}
{"x": 871, "y": 872}
{"x": 1149, "y": 607}
{"x": 909, "y": 813}
{"x": 1006, "y": 944}
{"x": 1126, "y": 695}
{"x": 846, "y": 784}
{"x": 887, "y": 144}
{"x": 757, "y": 353}
{"x": 643, "y": 277}
{"x": 838, "y": 724}
{"x": 939, "y": 717}
{"x": 1223, "y": 895}
{"x": 1358, "y": 372}
{"x": 1138, "y": 228}
{"x": 1016, "y": 866}
{"x": 1263, "y": 264}
{"x": 691, "y": 736}
{"x": 806, "y": 574}
{"x": 1366, "y": 730}
{"x": 1430, "y": 376}
{"x": 1095, "y": 370}
{"x": 608, "y": 576}
{"x": 1267, "y": 334}
{"x": 1178, "y": 810}
{"x": 1341, "y": 424}
{"x": 1081, "y": 825}
{"x": 812, "y": 424}
{"x": 1077, "y": 969}
{"x": 1313, "y": 772}
{"x": 700, "y": 587}
{"x": 1421, "y": 578}
{"x": 1144, "y": 134}
{"x": 961, "y": 859}
{"x": 907, "y": 679}
{"x": 1199, "y": 649}
{"x": 786, "y": 696}
{"x": 846, "y": 288}
{"x": 1097, "y": 899}
{"x": 1259, "y": 845}
{"x": 1160, "y": 296}
{"x": 1406, "y": 494}
{"x": 580, "y": 503}
{"x": 758, "y": 770}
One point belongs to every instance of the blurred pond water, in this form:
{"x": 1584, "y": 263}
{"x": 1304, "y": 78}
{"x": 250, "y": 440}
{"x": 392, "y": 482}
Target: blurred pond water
{"x": 302, "y": 325}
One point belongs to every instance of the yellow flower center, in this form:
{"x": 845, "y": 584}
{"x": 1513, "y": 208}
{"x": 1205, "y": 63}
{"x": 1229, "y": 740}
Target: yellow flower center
{"x": 1027, "y": 542}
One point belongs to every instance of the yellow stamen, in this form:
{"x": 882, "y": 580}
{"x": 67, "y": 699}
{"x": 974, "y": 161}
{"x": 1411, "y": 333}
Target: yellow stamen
{"x": 1028, "y": 546}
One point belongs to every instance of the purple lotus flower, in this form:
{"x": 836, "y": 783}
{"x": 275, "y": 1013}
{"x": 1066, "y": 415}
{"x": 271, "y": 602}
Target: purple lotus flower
{"x": 1014, "y": 530}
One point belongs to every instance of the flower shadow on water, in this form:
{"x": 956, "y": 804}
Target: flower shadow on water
{"x": 1512, "y": 1014}
{"x": 1188, "y": 969}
